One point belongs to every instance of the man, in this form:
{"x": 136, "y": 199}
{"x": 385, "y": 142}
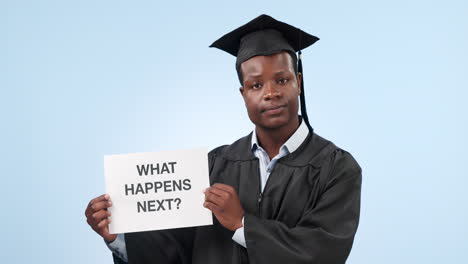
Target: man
{"x": 282, "y": 194}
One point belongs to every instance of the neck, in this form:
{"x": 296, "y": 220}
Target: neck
{"x": 272, "y": 139}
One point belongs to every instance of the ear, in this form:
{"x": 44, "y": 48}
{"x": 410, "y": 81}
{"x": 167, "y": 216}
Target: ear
{"x": 299, "y": 81}
{"x": 241, "y": 90}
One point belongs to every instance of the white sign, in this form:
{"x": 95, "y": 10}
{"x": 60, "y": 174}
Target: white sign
{"x": 152, "y": 191}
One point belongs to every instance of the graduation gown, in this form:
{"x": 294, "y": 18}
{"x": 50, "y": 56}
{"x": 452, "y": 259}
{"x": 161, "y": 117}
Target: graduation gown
{"x": 307, "y": 213}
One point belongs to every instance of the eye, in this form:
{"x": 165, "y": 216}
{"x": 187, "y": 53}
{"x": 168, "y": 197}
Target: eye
{"x": 282, "y": 81}
{"x": 256, "y": 86}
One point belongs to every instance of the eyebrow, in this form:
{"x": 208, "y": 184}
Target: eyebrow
{"x": 281, "y": 73}
{"x": 253, "y": 76}
{"x": 257, "y": 75}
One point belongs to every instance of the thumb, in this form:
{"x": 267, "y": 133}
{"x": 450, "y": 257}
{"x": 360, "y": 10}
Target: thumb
{"x": 107, "y": 236}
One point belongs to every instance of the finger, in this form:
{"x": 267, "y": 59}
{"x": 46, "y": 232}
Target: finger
{"x": 100, "y": 215}
{"x": 104, "y": 224}
{"x": 101, "y": 205}
{"x": 216, "y": 191}
{"x": 95, "y": 218}
{"x": 220, "y": 192}
{"x": 210, "y": 197}
{"x": 99, "y": 198}
{"x": 212, "y": 207}
{"x": 224, "y": 187}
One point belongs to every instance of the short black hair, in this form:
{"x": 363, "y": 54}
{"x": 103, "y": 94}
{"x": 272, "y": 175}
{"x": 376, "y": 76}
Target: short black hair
{"x": 294, "y": 62}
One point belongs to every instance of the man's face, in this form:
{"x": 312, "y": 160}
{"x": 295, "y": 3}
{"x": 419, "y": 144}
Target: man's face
{"x": 270, "y": 90}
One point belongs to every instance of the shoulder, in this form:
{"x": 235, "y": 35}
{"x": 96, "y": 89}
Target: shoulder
{"x": 339, "y": 166}
{"x": 344, "y": 159}
{"x": 336, "y": 155}
{"x": 239, "y": 150}
{"x": 319, "y": 152}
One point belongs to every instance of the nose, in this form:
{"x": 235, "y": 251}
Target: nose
{"x": 271, "y": 91}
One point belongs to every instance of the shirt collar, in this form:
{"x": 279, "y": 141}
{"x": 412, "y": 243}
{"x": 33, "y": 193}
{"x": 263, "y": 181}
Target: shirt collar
{"x": 292, "y": 143}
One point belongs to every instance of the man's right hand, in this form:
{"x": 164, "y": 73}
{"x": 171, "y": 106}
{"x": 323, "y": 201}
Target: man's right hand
{"x": 97, "y": 216}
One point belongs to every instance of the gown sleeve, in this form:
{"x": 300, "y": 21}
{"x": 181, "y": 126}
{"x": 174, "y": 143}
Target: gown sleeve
{"x": 326, "y": 229}
{"x": 117, "y": 260}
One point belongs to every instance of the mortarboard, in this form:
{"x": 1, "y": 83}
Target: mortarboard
{"x": 265, "y": 36}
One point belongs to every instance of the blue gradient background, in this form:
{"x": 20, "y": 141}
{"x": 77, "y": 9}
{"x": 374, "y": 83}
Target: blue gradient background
{"x": 81, "y": 79}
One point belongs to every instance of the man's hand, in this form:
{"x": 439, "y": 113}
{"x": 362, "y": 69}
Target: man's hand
{"x": 97, "y": 216}
{"x": 223, "y": 201}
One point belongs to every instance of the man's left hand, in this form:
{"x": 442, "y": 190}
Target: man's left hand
{"x": 224, "y": 202}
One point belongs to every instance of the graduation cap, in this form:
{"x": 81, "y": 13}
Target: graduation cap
{"x": 265, "y": 36}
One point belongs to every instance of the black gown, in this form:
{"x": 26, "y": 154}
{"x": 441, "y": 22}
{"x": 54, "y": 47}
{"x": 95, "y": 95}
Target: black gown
{"x": 307, "y": 213}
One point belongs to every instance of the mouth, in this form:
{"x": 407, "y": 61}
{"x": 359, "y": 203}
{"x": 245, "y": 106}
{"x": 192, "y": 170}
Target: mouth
{"x": 273, "y": 109}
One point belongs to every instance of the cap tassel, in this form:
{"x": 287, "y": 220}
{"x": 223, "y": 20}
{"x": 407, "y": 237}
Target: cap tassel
{"x": 302, "y": 96}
